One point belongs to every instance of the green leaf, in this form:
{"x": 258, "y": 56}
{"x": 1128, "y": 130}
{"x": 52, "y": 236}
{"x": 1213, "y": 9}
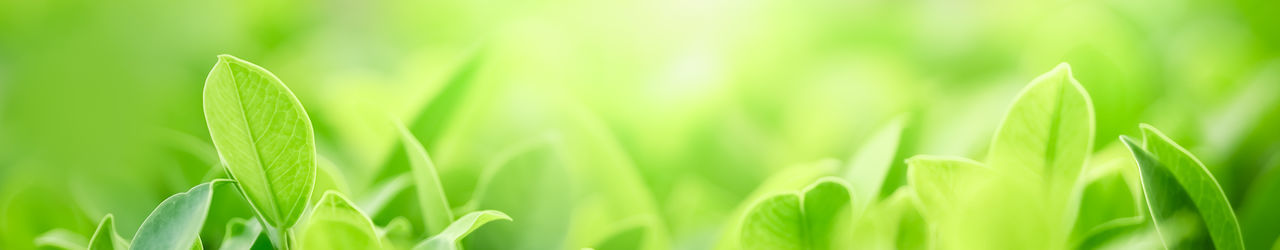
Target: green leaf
{"x": 61, "y": 238}
{"x": 1258, "y": 217}
{"x": 241, "y": 234}
{"x": 449, "y": 238}
{"x": 264, "y": 138}
{"x": 105, "y": 237}
{"x": 436, "y": 212}
{"x": 821, "y": 218}
{"x": 337, "y": 224}
{"x": 940, "y": 180}
{"x": 1176, "y": 182}
{"x": 176, "y": 222}
{"x": 397, "y": 234}
{"x": 1048, "y": 132}
{"x": 871, "y": 163}
{"x": 529, "y": 182}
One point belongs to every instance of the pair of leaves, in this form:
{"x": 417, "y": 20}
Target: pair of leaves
{"x": 818, "y": 218}
{"x": 1176, "y": 184}
{"x": 264, "y": 138}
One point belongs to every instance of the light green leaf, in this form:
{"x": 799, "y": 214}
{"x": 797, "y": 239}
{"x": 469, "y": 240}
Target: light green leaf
{"x": 436, "y": 212}
{"x": 105, "y": 237}
{"x": 199, "y": 245}
{"x": 381, "y": 194}
{"x": 821, "y": 218}
{"x": 871, "y": 163}
{"x": 263, "y": 136}
{"x": 176, "y": 222}
{"x": 448, "y": 239}
{"x": 939, "y": 181}
{"x": 1176, "y": 182}
{"x": 241, "y": 234}
{"x": 1048, "y": 134}
{"x": 337, "y": 224}
{"x": 529, "y": 182}
{"x": 62, "y": 239}
{"x": 397, "y": 234}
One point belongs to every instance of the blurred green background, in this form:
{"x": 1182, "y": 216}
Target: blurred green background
{"x": 673, "y": 110}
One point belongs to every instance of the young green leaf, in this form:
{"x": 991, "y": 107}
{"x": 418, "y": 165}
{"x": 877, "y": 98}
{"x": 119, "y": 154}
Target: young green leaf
{"x": 241, "y": 234}
{"x": 1048, "y": 129}
{"x": 868, "y": 167}
{"x": 105, "y": 237}
{"x": 397, "y": 234}
{"x": 337, "y": 224}
{"x": 176, "y": 222}
{"x": 939, "y": 180}
{"x": 1048, "y": 135}
{"x": 1176, "y": 182}
{"x": 818, "y": 219}
{"x": 263, "y": 136}
{"x": 61, "y": 238}
{"x": 448, "y": 239}
{"x": 431, "y": 198}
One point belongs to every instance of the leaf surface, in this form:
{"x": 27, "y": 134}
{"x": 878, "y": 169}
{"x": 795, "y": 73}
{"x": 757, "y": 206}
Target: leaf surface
{"x": 1175, "y": 184}
{"x": 337, "y": 224}
{"x": 818, "y": 218}
{"x": 176, "y": 222}
{"x": 263, "y": 136}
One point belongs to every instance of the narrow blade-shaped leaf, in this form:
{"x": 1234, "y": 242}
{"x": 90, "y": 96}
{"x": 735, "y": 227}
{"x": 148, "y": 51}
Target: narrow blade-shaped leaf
{"x": 337, "y": 224}
{"x": 431, "y": 198}
{"x": 1176, "y": 182}
{"x": 176, "y": 222}
{"x": 871, "y": 163}
{"x": 241, "y": 234}
{"x": 449, "y": 238}
{"x": 263, "y": 136}
{"x": 105, "y": 237}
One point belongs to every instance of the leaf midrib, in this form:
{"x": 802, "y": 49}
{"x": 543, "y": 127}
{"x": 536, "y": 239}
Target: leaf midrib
{"x": 253, "y": 142}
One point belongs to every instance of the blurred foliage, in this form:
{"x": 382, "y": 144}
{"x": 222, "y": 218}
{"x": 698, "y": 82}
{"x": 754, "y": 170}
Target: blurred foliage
{"x": 667, "y": 115}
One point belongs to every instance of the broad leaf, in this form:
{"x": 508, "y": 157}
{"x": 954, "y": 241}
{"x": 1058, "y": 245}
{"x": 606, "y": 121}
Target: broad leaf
{"x": 939, "y": 181}
{"x": 1177, "y": 183}
{"x": 1048, "y": 132}
{"x": 868, "y": 167}
{"x": 105, "y": 237}
{"x": 263, "y": 136}
{"x": 820, "y": 218}
{"x": 337, "y": 224}
{"x": 449, "y": 238}
{"x": 241, "y": 234}
{"x": 176, "y": 222}
{"x": 431, "y": 198}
